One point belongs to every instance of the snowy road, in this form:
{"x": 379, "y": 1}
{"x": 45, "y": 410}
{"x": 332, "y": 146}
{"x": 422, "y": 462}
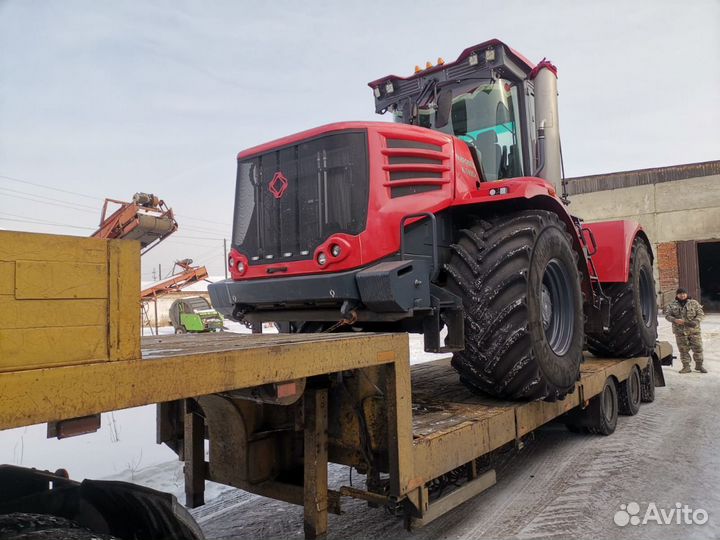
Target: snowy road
{"x": 562, "y": 485}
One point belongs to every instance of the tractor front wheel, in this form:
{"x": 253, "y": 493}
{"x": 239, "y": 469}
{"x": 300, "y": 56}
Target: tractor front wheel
{"x": 518, "y": 278}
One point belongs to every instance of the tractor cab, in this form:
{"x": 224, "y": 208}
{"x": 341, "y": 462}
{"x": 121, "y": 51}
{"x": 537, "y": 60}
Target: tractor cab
{"x": 485, "y": 98}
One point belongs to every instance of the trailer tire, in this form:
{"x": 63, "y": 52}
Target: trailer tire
{"x": 647, "y": 383}
{"x": 633, "y": 311}
{"x": 28, "y": 526}
{"x": 518, "y": 279}
{"x": 602, "y": 413}
{"x": 630, "y": 394}
{"x": 180, "y": 330}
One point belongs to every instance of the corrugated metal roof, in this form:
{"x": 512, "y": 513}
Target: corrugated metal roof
{"x": 641, "y": 177}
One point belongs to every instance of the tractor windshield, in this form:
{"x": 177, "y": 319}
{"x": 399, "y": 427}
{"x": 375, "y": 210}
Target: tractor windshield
{"x": 485, "y": 116}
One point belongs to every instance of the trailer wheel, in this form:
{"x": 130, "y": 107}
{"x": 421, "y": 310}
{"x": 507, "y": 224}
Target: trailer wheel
{"x": 602, "y": 413}
{"x": 633, "y": 311}
{"x": 27, "y": 526}
{"x": 629, "y": 394}
{"x": 647, "y": 380}
{"x": 180, "y": 330}
{"x": 517, "y": 276}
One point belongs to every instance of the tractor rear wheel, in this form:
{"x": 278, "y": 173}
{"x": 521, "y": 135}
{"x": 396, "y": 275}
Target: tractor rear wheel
{"x": 518, "y": 279}
{"x": 633, "y": 311}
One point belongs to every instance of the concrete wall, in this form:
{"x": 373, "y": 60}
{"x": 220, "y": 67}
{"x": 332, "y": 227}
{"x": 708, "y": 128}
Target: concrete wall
{"x": 687, "y": 209}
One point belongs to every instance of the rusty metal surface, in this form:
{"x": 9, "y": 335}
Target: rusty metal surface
{"x": 688, "y": 269}
{"x": 315, "y": 485}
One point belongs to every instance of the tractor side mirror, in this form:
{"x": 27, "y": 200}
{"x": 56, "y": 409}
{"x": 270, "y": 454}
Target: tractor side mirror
{"x": 444, "y": 105}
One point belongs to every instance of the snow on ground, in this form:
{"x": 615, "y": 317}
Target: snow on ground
{"x": 561, "y": 485}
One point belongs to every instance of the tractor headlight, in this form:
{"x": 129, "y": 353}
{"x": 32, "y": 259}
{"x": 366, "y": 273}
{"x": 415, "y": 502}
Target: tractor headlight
{"x": 241, "y": 267}
{"x": 322, "y": 259}
{"x": 335, "y": 250}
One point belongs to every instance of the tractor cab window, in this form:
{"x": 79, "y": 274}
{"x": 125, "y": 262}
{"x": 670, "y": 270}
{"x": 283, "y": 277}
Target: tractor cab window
{"x": 486, "y": 116}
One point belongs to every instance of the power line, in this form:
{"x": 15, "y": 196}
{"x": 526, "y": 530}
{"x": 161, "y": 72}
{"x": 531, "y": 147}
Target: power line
{"x": 68, "y": 206}
{"x": 206, "y": 220}
{"x": 180, "y": 237}
{"x": 94, "y": 209}
{"x": 70, "y": 192}
{"x": 12, "y": 178}
{"x": 49, "y": 223}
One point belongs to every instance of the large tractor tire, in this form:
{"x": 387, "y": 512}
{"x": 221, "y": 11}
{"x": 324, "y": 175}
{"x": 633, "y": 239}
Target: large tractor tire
{"x": 633, "y": 311}
{"x": 518, "y": 279}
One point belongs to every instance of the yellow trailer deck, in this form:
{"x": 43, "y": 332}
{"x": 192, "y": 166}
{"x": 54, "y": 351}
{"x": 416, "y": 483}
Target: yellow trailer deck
{"x": 420, "y": 422}
{"x": 273, "y": 409}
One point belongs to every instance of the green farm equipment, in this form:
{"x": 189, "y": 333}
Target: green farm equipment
{"x": 194, "y": 315}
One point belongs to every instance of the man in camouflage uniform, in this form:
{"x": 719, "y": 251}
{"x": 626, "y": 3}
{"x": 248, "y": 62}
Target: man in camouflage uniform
{"x": 685, "y": 315}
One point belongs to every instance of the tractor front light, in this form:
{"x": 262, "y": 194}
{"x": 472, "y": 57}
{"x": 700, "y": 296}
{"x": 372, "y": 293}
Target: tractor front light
{"x": 473, "y": 59}
{"x": 490, "y": 55}
{"x": 241, "y": 267}
{"x": 389, "y": 88}
{"x": 322, "y": 259}
{"x": 335, "y": 250}
{"x": 231, "y": 262}
{"x": 499, "y": 191}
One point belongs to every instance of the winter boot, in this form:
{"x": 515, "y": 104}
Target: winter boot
{"x": 700, "y": 369}
{"x": 685, "y": 369}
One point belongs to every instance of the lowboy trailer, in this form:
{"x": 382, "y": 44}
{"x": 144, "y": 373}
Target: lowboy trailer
{"x": 275, "y": 409}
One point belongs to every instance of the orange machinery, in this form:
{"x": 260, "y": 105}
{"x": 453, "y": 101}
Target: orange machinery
{"x": 146, "y": 219}
{"x": 188, "y": 275}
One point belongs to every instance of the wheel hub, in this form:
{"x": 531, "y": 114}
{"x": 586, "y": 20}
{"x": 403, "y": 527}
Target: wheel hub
{"x": 647, "y": 297}
{"x": 546, "y": 306}
{"x": 556, "y": 304}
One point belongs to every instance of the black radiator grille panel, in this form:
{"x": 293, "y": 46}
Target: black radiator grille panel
{"x": 323, "y": 191}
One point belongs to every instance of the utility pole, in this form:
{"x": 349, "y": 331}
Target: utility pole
{"x": 225, "y": 256}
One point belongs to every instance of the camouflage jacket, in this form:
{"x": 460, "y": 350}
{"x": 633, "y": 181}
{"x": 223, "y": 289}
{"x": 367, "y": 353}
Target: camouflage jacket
{"x": 691, "y": 312}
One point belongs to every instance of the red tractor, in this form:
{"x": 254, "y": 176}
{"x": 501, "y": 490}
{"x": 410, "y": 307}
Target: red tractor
{"x": 448, "y": 220}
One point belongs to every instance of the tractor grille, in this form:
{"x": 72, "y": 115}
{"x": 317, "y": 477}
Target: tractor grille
{"x": 291, "y": 199}
{"x": 415, "y": 166}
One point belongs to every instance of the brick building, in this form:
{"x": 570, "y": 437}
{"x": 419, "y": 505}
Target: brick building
{"x": 679, "y": 207}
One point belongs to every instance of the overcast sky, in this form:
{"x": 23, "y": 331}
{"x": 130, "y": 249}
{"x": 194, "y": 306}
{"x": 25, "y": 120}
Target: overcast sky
{"x": 103, "y": 99}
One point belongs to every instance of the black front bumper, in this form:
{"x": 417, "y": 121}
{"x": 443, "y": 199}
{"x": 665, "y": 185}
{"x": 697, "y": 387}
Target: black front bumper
{"x": 387, "y": 287}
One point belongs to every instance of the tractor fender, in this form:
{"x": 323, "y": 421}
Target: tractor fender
{"x": 524, "y": 194}
{"x": 615, "y": 241}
